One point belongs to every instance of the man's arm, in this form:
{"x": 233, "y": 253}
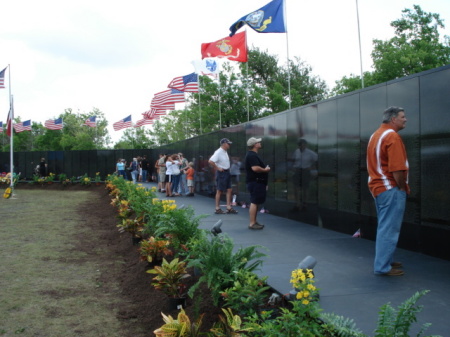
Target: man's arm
{"x": 259, "y": 169}
{"x": 400, "y": 179}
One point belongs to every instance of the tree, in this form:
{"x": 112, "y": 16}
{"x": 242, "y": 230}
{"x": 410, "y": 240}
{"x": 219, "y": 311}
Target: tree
{"x": 256, "y": 89}
{"x": 135, "y": 138}
{"x": 416, "y": 47}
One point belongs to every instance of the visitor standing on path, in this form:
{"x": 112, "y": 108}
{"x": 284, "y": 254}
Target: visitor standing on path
{"x": 221, "y": 162}
{"x": 387, "y": 165}
{"x": 256, "y": 179}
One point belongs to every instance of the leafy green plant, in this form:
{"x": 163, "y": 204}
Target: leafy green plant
{"x": 180, "y": 327}
{"x": 50, "y": 178}
{"x": 154, "y": 249}
{"x": 62, "y": 177}
{"x": 169, "y": 277}
{"x": 85, "y": 180}
{"x": 180, "y": 225}
{"x": 218, "y": 263}
{"x": 229, "y": 325}
{"x": 391, "y": 321}
{"x": 247, "y": 293}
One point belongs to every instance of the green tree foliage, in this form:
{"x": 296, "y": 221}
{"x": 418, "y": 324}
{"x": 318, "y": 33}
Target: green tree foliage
{"x": 252, "y": 90}
{"x": 135, "y": 138}
{"x": 416, "y": 46}
{"x": 74, "y": 136}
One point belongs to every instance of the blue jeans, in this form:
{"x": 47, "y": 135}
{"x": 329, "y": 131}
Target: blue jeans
{"x": 175, "y": 182}
{"x": 144, "y": 176}
{"x": 134, "y": 175}
{"x": 390, "y": 209}
{"x": 183, "y": 189}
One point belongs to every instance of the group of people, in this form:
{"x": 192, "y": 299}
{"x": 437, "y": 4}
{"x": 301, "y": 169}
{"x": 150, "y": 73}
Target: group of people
{"x": 139, "y": 169}
{"x": 387, "y": 166}
{"x": 256, "y": 178}
{"x": 175, "y": 175}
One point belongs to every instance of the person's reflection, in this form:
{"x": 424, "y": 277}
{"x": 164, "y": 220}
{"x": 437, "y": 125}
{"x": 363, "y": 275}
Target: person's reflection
{"x": 235, "y": 172}
{"x": 305, "y": 162}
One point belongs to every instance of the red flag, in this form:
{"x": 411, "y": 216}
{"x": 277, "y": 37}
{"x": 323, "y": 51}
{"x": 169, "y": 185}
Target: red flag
{"x": 232, "y": 48}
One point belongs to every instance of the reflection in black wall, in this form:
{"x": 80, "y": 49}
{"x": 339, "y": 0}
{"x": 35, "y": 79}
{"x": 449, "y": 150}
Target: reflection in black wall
{"x": 337, "y": 129}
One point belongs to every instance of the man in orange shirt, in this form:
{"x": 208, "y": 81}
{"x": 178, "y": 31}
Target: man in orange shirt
{"x": 388, "y": 167}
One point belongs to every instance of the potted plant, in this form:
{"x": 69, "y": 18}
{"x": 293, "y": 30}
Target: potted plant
{"x": 248, "y": 293}
{"x": 152, "y": 250}
{"x": 132, "y": 226}
{"x": 169, "y": 279}
{"x": 97, "y": 178}
{"x": 180, "y": 327}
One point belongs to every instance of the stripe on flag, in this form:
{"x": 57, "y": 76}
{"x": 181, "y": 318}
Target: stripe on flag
{"x": 54, "y": 124}
{"x": 123, "y": 123}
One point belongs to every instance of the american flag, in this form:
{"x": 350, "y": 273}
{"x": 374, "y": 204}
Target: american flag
{"x": 167, "y": 99}
{"x": 123, "y": 123}
{"x": 2, "y": 78}
{"x": 54, "y": 124}
{"x": 1, "y": 126}
{"x": 154, "y": 113}
{"x": 23, "y": 126}
{"x": 91, "y": 121}
{"x": 142, "y": 122}
{"x": 188, "y": 83}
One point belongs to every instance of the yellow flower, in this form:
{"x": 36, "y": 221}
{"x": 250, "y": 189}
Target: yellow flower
{"x": 311, "y": 287}
{"x": 305, "y": 302}
{"x": 306, "y": 293}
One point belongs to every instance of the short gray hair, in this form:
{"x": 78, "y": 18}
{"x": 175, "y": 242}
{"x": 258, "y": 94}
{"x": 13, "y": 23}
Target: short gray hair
{"x": 390, "y": 112}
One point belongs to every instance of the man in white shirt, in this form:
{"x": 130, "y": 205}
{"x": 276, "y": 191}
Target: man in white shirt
{"x": 221, "y": 162}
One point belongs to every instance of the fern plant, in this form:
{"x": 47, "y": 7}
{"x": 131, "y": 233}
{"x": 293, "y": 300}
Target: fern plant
{"x": 219, "y": 263}
{"x": 391, "y": 322}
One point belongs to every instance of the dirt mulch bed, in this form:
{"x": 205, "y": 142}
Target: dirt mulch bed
{"x": 141, "y": 305}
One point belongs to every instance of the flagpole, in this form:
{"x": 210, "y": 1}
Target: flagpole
{"x": 287, "y": 54}
{"x": 360, "y": 51}
{"x": 200, "y": 105}
{"x": 220, "y": 107}
{"x": 11, "y": 139}
{"x": 246, "y": 80}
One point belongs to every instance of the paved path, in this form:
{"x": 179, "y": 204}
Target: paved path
{"x": 343, "y": 272}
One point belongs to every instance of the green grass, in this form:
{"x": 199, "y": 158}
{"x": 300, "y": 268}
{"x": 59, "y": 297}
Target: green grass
{"x": 48, "y": 287}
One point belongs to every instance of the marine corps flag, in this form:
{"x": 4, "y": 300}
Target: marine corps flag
{"x": 267, "y": 19}
{"x": 232, "y": 48}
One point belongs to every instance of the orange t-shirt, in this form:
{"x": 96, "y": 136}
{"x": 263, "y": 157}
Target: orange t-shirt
{"x": 190, "y": 173}
{"x": 385, "y": 154}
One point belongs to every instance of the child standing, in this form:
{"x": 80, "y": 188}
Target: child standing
{"x": 190, "y": 178}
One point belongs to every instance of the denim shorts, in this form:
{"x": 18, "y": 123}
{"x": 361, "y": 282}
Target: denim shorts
{"x": 257, "y": 192}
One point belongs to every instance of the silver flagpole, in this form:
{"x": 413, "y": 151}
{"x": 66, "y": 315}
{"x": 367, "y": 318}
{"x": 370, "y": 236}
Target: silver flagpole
{"x": 287, "y": 52}
{"x": 360, "y": 51}
{"x": 220, "y": 107}
{"x": 200, "y": 105}
{"x": 11, "y": 139}
{"x": 246, "y": 79}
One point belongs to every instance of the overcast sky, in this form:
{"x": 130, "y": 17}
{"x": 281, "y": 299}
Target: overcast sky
{"x": 116, "y": 55}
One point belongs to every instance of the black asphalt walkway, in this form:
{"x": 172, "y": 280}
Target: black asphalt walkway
{"x": 343, "y": 271}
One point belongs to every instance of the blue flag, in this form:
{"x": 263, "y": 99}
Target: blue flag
{"x": 267, "y": 19}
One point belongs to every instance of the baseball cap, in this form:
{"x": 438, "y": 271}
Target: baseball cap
{"x": 225, "y": 140}
{"x": 252, "y": 141}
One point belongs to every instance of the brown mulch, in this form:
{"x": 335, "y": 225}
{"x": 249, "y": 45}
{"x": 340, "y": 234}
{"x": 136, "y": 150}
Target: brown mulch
{"x": 140, "y": 305}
